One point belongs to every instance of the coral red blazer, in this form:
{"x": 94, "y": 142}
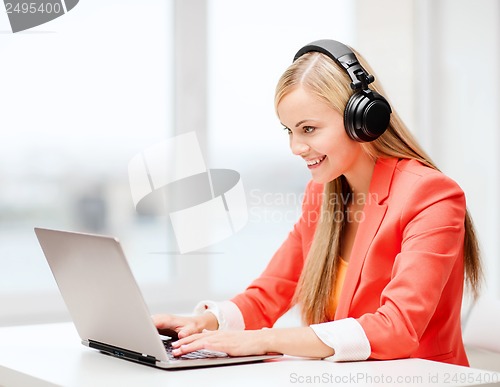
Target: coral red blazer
{"x": 405, "y": 277}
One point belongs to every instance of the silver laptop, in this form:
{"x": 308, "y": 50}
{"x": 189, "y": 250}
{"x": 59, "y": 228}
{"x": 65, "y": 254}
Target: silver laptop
{"x": 107, "y": 306}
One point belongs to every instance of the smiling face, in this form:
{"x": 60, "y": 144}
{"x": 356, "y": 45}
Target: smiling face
{"x": 317, "y": 135}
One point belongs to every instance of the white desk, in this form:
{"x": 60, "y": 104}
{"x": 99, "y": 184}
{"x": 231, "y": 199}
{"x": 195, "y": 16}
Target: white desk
{"x": 49, "y": 355}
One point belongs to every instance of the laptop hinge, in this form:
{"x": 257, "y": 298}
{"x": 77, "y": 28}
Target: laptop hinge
{"x": 123, "y": 353}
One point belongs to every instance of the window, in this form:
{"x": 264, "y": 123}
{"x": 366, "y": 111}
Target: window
{"x": 80, "y": 96}
{"x": 250, "y": 45}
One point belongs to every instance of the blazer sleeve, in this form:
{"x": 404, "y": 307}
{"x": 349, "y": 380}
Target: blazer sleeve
{"x": 270, "y": 295}
{"x": 432, "y": 231}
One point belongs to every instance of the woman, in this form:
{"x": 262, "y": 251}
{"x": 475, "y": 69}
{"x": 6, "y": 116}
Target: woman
{"x": 377, "y": 260}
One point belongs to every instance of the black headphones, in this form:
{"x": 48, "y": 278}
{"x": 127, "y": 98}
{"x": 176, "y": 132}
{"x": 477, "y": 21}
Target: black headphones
{"x": 367, "y": 113}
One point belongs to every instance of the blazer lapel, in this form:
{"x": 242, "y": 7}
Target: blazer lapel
{"x": 374, "y": 212}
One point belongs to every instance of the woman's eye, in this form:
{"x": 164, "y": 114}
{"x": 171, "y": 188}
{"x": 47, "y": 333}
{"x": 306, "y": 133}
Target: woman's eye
{"x": 287, "y": 130}
{"x": 308, "y": 129}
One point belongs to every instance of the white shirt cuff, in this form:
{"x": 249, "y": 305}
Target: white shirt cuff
{"x": 346, "y": 337}
{"x": 227, "y": 313}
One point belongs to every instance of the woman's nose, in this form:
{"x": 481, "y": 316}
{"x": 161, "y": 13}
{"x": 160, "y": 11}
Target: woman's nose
{"x": 298, "y": 147}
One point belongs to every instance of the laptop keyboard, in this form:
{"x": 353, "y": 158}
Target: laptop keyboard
{"x": 200, "y": 354}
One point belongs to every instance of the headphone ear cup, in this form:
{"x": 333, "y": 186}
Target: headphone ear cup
{"x": 366, "y": 116}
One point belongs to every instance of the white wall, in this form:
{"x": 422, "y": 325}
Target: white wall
{"x": 465, "y": 135}
{"x": 439, "y": 63}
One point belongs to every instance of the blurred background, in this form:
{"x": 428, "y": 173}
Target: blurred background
{"x": 82, "y": 95}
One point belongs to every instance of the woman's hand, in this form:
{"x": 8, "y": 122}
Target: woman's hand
{"x": 301, "y": 341}
{"x": 234, "y": 343}
{"x": 185, "y": 326}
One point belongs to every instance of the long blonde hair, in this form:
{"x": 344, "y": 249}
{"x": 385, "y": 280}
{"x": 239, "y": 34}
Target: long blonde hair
{"x": 328, "y": 82}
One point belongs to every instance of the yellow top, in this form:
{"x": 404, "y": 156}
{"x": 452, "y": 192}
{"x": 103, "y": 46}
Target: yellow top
{"x": 340, "y": 282}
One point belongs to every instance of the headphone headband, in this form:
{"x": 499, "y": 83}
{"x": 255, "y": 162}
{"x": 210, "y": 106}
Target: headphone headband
{"x": 367, "y": 113}
{"x": 343, "y": 56}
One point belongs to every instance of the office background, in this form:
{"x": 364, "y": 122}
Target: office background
{"x": 81, "y": 95}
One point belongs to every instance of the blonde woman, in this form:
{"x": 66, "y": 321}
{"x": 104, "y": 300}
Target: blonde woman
{"x": 378, "y": 260}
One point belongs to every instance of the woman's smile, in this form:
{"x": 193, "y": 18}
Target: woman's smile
{"x": 315, "y": 162}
